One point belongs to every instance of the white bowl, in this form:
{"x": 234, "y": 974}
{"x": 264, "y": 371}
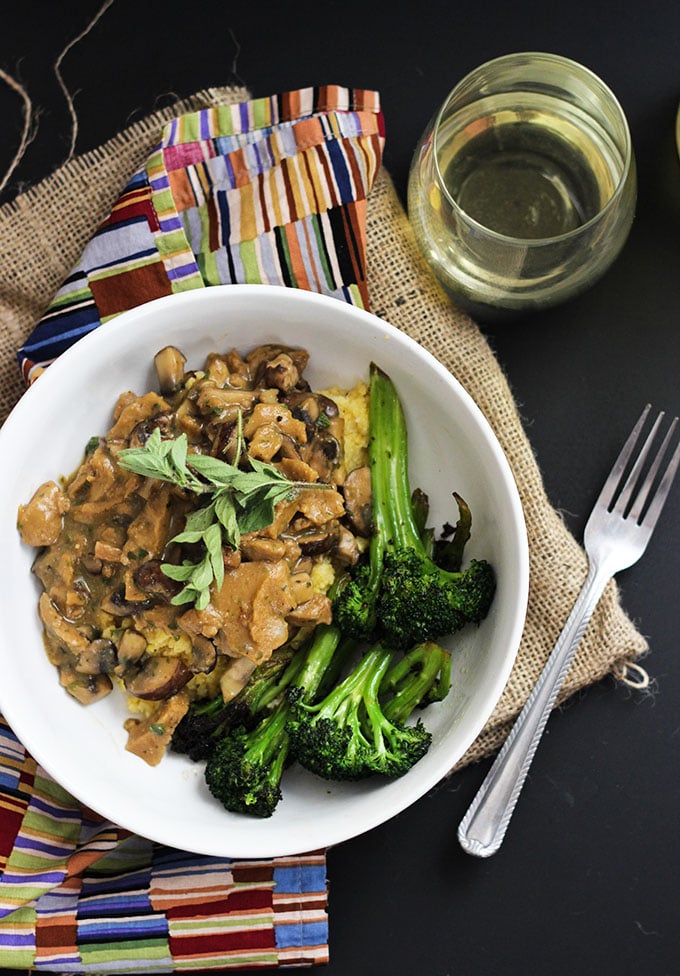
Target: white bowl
{"x": 451, "y": 448}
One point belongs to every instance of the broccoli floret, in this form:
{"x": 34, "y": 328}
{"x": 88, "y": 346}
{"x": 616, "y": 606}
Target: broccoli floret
{"x": 196, "y": 733}
{"x": 402, "y": 596}
{"x": 355, "y": 606}
{"x": 207, "y": 721}
{"x": 244, "y": 769}
{"x": 419, "y": 600}
{"x": 350, "y": 734}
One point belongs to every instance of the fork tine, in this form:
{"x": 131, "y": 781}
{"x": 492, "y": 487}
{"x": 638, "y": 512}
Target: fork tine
{"x": 612, "y": 483}
{"x": 631, "y": 481}
{"x": 646, "y": 486}
{"x": 659, "y": 500}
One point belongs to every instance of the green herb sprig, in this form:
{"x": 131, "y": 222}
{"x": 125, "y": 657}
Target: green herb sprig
{"x": 238, "y": 501}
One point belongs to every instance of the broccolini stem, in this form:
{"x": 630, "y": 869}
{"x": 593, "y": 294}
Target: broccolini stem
{"x": 394, "y": 523}
{"x": 413, "y": 678}
{"x": 371, "y": 690}
{"x": 321, "y": 655}
{"x": 277, "y": 683}
{"x": 271, "y": 736}
{"x": 353, "y": 689}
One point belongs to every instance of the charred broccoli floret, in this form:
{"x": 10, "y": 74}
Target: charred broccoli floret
{"x": 204, "y": 721}
{"x": 356, "y": 731}
{"x": 402, "y": 595}
{"x": 244, "y": 769}
{"x": 207, "y": 721}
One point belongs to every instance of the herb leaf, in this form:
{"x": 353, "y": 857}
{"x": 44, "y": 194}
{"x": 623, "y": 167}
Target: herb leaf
{"x": 241, "y": 501}
{"x": 163, "y": 460}
{"x": 180, "y": 573}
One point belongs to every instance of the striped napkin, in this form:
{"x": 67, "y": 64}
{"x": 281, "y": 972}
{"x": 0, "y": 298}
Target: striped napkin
{"x": 270, "y": 190}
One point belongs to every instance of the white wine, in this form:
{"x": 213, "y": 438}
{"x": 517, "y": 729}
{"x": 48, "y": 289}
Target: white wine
{"x": 522, "y": 197}
{"x": 527, "y": 165}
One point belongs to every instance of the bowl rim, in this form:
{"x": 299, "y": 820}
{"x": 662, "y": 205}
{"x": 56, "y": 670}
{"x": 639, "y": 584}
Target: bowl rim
{"x": 80, "y": 353}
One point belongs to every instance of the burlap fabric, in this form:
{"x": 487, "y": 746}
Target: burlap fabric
{"x": 44, "y": 231}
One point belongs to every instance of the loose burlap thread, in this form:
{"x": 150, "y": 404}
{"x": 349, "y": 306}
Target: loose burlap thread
{"x": 43, "y": 232}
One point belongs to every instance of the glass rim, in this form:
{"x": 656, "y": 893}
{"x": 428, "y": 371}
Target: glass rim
{"x": 576, "y": 231}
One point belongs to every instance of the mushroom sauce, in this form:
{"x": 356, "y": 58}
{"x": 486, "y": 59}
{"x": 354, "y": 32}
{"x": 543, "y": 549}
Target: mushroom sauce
{"x": 104, "y": 532}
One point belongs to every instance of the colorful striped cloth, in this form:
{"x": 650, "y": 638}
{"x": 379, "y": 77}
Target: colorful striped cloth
{"x": 81, "y": 895}
{"x": 268, "y": 191}
{"x": 273, "y": 191}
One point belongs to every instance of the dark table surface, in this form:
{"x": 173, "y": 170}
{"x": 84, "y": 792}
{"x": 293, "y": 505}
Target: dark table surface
{"x": 586, "y": 880}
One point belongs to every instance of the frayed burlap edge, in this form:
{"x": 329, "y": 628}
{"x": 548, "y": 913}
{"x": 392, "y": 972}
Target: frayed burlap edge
{"x": 63, "y": 211}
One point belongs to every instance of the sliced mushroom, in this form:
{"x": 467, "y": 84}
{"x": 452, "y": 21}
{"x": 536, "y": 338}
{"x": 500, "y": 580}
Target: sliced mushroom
{"x": 206, "y": 622}
{"x": 131, "y": 647}
{"x": 301, "y": 524}
{"x": 142, "y": 431}
{"x": 85, "y": 688}
{"x": 292, "y": 552}
{"x": 324, "y": 454}
{"x": 278, "y": 415}
{"x": 225, "y": 441}
{"x": 107, "y": 553}
{"x": 305, "y": 564}
{"x": 346, "y": 549}
{"x": 224, "y": 403}
{"x": 169, "y": 363}
{"x": 146, "y": 407}
{"x": 316, "y": 610}
{"x": 301, "y": 587}
{"x": 217, "y": 369}
{"x": 203, "y": 655}
{"x": 91, "y": 564}
{"x": 239, "y": 373}
{"x": 320, "y": 541}
{"x": 150, "y": 578}
{"x": 159, "y": 678}
{"x": 315, "y": 410}
{"x": 260, "y": 358}
{"x": 281, "y": 372}
{"x": 236, "y": 676}
{"x": 118, "y": 606}
{"x": 150, "y": 528}
{"x": 100, "y": 657}
{"x": 320, "y": 506}
{"x": 289, "y": 448}
{"x": 75, "y": 600}
{"x": 358, "y": 500}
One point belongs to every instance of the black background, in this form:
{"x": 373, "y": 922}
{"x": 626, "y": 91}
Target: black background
{"x": 587, "y": 879}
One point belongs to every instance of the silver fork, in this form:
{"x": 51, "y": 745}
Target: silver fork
{"x": 616, "y": 535}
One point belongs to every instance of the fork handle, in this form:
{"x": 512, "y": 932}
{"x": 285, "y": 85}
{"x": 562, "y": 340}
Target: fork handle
{"x": 483, "y": 827}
